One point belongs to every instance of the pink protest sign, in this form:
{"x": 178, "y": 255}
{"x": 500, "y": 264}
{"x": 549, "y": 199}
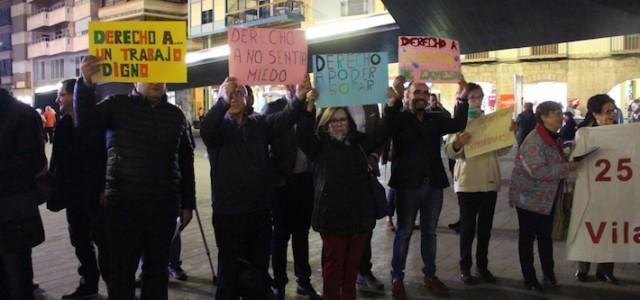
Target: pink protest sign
{"x": 267, "y": 56}
{"x": 425, "y": 58}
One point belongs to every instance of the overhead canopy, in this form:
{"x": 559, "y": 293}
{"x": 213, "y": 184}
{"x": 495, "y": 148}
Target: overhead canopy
{"x": 503, "y": 24}
{"x": 478, "y": 25}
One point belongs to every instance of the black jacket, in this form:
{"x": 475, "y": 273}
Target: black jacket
{"x": 21, "y": 158}
{"x": 526, "y": 122}
{"x": 568, "y": 131}
{"x": 77, "y": 167}
{"x": 149, "y": 149}
{"x": 239, "y": 156}
{"x": 343, "y": 200}
{"x": 283, "y": 151}
{"x": 416, "y": 146}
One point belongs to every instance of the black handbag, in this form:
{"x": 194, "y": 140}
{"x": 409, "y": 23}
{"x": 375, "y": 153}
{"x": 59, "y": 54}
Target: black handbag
{"x": 378, "y": 192}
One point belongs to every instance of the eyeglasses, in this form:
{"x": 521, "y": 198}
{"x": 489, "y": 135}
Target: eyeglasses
{"x": 476, "y": 98}
{"x": 337, "y": 121}
{"x": 609, "y": 111}
{"x": 418, "y": 92}
{"x": 238, "y": 93}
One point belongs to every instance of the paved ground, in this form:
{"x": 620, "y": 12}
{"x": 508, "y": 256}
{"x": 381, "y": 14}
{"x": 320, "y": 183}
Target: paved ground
{"x": 55, "y": 264}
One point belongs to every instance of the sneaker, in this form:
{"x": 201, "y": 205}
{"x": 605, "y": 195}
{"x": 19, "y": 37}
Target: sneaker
{"x": 82, "y": 292}
{"x": 306, "y": 289}
{"x": 581, "y": 276}
{"x": 435, "y": 285}
{"x": 486, "y": 276}
{"x": 466, "y": 278}
{"x": 178, "y": 273}
{"x": 609, "y": 278}
{"x": 397, "y": 289}
{"x": 369, "y": 281}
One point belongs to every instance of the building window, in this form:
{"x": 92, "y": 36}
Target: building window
{"x": 5, "y": 67}
{"x": 207, "y": 16}
{"x": 42, "y": 70}
{"x": 78, "y": 63}
{"x": 354, "y": 7}
{"x": 5, "y": 41}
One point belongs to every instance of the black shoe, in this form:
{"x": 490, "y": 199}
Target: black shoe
{"x": 455, "y": 227}
{"x": 581, "y": 276}
{"x": 608, "y": 278}
{"x": 278, "y": 293}
{"x": 549, "y": 282}
{"x": 466, "y": 278}
{"x": 82, "y": 292}
{"x": 178, "y": 273}
{"x": 486, "y": 276}
{"x": 306, "y": 289}
{"x": 35, "y": 285}
{"x": 533, "y": 286}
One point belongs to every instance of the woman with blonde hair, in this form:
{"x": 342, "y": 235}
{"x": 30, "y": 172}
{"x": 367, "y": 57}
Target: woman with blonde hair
{"x": 344, "y": 207}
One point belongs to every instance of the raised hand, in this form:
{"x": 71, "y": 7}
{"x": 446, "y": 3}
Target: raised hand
{"x": 398, "y": 85}
{"x": 90, "y": 66}
{"x": 462, "y": 89}
{"x": 303, "y": 88}
{"x": 311, "y": 96}
{"x": 228, "y": 88}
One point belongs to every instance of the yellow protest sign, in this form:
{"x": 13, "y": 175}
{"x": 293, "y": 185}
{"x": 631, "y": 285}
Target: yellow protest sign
{"x": 489, "y": 132}
{"x": 139, "y": 51}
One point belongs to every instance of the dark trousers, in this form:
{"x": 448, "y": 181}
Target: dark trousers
{"x": 391, "y": 201}
{"x": 341, "y": 257}
{"x": 535, "y": 226}
{"x": 174, "y": 254}
{"x": 86, "y": 228}
{"x": 476, "y": 218}
{"x": 16, "y": 275}
{"x": 365, "y": 260}
{"x": 134, "y": 229}
{"x": 240, "y": 237}
{"x": 48, "y": 134}
{"x": 602, "y": 268}
{"x": 292, "y": 209}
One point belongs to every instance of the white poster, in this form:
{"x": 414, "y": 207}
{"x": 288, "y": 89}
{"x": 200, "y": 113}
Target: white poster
{"x": 605, "y": 217}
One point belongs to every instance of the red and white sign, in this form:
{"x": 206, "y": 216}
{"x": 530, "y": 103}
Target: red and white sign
{"x": 605, "y": 217}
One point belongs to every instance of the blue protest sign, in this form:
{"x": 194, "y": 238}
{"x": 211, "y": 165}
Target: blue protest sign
{"x": 351, "y": 78}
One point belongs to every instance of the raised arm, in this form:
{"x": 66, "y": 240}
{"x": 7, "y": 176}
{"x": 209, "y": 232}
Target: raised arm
{"x": 282, "y": 121}
{"x": 308, "y": 140}
{"x": 91, "y": 119}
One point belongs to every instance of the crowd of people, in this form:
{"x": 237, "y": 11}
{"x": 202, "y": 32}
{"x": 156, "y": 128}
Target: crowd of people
{"x": 123, "y": 168}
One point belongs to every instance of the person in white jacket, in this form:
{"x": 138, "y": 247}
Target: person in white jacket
{"x": 476, "y": 182}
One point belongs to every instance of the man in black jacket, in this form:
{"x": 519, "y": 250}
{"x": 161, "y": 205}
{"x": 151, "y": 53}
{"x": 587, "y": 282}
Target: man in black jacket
{"x": 149, "y": 178}
{"x": 418, "y": 176}
{"x": 77, "y": 167}
{"x": 526, "y": 121}
{"x": 21, "y": 159}
{"x": 292, "y": 206}
{"x": 237, "y": 144}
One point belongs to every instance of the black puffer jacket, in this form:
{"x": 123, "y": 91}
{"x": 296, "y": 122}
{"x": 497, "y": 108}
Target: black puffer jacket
{"x": 149, "y": 148}
{"x": 21, "y": 158}
{"x": 343, "y": 203}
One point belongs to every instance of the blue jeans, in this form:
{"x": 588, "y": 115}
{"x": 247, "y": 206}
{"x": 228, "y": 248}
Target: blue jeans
{"x": 427, "y": 200}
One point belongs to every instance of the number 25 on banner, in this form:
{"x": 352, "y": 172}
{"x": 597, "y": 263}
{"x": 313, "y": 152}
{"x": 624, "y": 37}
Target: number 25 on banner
{"x": 625, "y": 173}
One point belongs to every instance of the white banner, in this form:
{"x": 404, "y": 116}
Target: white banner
{"x": 605, "y": 217}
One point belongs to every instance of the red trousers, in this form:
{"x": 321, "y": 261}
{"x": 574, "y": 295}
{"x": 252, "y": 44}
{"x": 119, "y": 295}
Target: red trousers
{"x": 340, "y": 266}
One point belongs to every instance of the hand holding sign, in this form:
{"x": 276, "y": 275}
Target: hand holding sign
{"x": 303, "y": 88}
{"x": 228, "y": 88}
{"x": 312, "y": 95}
{"x": 90, "y": 67}
{"x": 463, "y": 91}
{"x": 462, "y": 139}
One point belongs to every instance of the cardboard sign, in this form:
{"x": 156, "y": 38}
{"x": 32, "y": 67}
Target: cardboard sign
{"x": 426, "y": 58}
{"x": 139, "y": 51}
{"x": 605, "y": 215}
{"x": 351, "y": 78}
{"x": 489, "y": 133}
{"x": 267, "y": 55}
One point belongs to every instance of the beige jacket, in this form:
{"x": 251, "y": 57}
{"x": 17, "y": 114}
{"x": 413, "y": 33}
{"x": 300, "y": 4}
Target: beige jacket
{"x": 477, "y": 174}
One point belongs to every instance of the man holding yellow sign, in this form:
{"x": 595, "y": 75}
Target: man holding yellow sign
{"x": 477, "y": 179}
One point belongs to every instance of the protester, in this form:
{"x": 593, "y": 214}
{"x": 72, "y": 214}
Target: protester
{"x": 22, "y": 159}
{"x": 436, "y": 107}
{"x": 238, "y": 144}
{"x": 418, "y": 176}
{"x": 568, "y": 130}
{"x": 149, "y": 177}
{"x": 292, "y": 206}
{"x": 601, "y": 112}
{"x": 344, "y": 207}
{"x": 477, "y": 183}
{"x": 540, "y": 167}
{"x": 526, "y": 121}
{"x": 200, "y": 114}
{"x": 77, "y": 169}
{"x": 50, "y": 123}
{"x": 633, "y": 111}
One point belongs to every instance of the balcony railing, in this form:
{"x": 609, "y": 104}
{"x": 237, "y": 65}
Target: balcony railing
{"x": 48, "y": 16}
{"x": 276, "y": 11}
{"x": 543, "y": 51}
{"x": 625, "y": 44}
{"x": 44, "y": 47}
{"x": 479, "y": 56}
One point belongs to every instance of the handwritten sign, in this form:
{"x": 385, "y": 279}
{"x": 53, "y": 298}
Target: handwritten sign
{"x": 351, "y": 78}
{"x": 605, "y": 213}
{"x": 425, "y": 58}
{"x": 267, "y": 55}
{"x": 489, "y": 132}
{"x": 139, "y": 51}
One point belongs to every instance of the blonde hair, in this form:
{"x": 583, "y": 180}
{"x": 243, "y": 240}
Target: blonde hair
{"x": 327, "y": 113}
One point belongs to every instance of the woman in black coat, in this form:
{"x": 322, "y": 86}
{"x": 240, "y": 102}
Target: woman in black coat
{"x": 344, "y": 208}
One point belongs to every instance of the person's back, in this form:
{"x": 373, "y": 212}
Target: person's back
{"x": 526, "y": 121}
